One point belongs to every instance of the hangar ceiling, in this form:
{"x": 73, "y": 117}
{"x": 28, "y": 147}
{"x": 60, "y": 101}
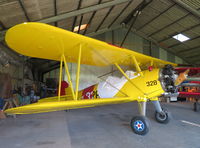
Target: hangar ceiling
{"x": 162, "y": 19}
{"x": 67, "y": 14}
{"x": 157, "y": 21}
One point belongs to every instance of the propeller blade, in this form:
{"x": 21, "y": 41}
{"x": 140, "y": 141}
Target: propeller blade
{"x": 182, "y": 77}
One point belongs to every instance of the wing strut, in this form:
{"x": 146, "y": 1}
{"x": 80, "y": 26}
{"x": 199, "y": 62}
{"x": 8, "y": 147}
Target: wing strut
{"x": 78, "y": 72}
{"x": 60, "y": 77}
{"x": 68, "y": 76}
{"x": 63, "y": 60}
{"x": 137, "y": 65}
{"x": 119, "y": 68}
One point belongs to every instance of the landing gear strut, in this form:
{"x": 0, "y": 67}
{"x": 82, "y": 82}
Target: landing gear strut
{"x": 161, "y": 114}
{"x": 140, "y": 124}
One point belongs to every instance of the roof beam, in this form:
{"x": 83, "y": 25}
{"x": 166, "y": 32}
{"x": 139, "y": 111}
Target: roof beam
{"x": 187, "y": 7}
{"x": 155, "y": 17}
{"x": 193, "y": 56}
{"x": 90, "y": 20}
{"x": 122, "y": 11}
{"x": 104, "y": 18}
{"x": 185, "y": 51}
{"x": 130, "y": 27}
{"x": 75, "y": 18}
{"x": 55, "y": 11}
{"x": 81, "y": 11}
{"x": 170, "y": 36}
{"x": 24, "y": 10}
{"x": 155, "y": 42}
{"x": 159, "y": 30}
{"x": 174, "y": 45}
{"x": 74, "y": 13}
{"x": 79, "y": 27}
{"x": 139, "y": 7}
{"x": 103, "y": 31}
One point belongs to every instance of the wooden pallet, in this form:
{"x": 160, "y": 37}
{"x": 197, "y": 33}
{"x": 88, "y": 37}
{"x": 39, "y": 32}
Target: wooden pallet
{"x": 10, "y": 103}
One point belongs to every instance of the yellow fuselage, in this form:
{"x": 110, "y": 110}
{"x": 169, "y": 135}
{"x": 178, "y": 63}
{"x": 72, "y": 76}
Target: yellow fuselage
{"x": 147, "y": 86}
{"x": 140, "y": 88}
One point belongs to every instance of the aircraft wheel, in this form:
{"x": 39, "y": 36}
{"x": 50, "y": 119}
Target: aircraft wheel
{"x": 140, "y": 125}
{"x": 162, "y": 117}
{"x": 196, "y": 106}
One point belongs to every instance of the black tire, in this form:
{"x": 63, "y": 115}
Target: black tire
{"x": 140, "y": 125}
{"x": 163, "y": 118}
{"x": 196, "y": 106}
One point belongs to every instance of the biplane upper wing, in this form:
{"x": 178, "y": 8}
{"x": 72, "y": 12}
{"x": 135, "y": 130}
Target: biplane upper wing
{"x": 49, "y": 42}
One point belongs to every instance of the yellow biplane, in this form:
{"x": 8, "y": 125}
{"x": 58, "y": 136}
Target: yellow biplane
{"x": 149, "y": 78}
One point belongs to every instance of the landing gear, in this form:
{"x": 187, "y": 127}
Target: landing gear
{"x": 196, "y": 106}
{"x": 140, "y": 125}
{"x": 161, "y": 114}
{"x": 162, "y": 117}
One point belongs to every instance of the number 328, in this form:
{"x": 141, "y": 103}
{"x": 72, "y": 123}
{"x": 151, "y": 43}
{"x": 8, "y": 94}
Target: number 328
{"x": 151, "y": 83}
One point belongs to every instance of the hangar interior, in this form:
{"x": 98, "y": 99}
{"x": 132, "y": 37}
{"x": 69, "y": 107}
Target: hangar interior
{"x": 145, "y": 26}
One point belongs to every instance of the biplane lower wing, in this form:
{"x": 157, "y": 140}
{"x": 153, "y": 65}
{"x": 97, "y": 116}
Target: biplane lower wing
{"x": 63, "y": 105}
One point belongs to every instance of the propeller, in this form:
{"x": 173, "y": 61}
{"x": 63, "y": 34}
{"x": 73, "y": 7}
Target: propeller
{"x": 182, "y": 77}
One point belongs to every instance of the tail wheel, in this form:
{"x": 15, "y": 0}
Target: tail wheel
{"x": 140, "y": 125}
{"x": 163, "y": 117}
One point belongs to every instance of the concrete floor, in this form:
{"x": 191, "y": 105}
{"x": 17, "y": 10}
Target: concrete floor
{"x": 101, "y": 127}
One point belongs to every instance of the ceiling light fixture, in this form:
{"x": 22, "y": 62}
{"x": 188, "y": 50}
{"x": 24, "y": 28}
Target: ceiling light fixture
{"x": 82, "y": 27}
{"x": 180, "y": 37}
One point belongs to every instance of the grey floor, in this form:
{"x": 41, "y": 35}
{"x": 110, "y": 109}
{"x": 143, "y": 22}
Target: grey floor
{"x": 101, "y": 127}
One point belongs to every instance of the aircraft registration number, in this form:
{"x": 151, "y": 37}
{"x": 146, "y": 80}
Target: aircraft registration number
{"x": 151, "y": 83}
